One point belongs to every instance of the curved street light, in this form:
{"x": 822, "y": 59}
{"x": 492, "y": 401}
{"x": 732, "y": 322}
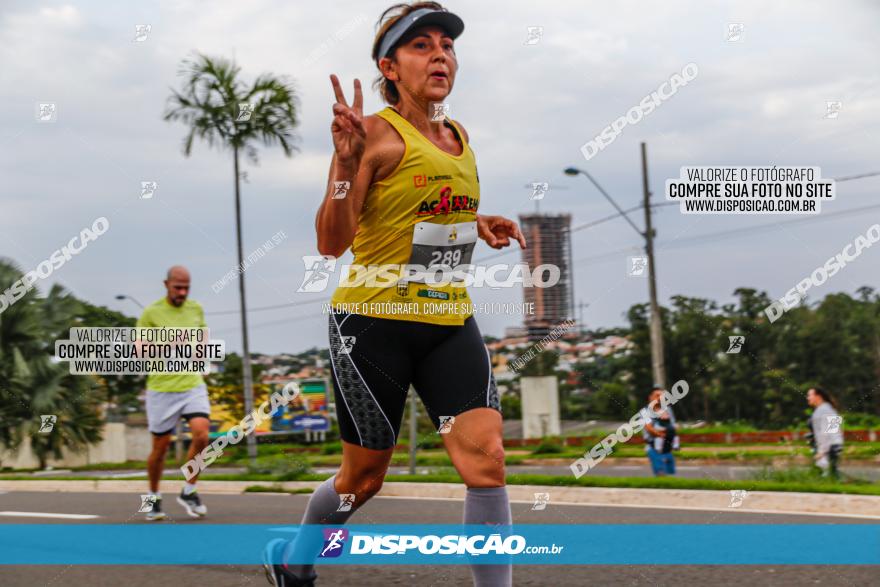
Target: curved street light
{"x": 128, "y": 297}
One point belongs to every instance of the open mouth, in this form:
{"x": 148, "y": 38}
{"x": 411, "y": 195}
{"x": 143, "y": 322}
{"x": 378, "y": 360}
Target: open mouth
{"x": 438, "y": 75}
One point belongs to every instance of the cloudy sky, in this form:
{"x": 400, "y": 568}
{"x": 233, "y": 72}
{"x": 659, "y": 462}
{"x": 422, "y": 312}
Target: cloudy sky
{"x": 758, "y": 100}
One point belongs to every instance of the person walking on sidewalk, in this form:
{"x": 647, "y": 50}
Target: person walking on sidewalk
{"x": 827, "y": 428}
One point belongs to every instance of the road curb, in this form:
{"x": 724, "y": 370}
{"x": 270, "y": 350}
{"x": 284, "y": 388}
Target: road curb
{"x": 761, "y": 501}
{"x": 698, "y": 499}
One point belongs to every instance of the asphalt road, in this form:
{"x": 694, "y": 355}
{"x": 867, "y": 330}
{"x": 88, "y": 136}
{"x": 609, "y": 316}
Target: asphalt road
{"x": 273, "y": 509}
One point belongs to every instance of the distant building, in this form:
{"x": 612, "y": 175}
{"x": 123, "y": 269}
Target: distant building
{"x": 549, "y": 243}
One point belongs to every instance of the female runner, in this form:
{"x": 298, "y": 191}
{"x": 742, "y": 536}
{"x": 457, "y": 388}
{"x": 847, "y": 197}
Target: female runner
{"x": 403, "y": 190}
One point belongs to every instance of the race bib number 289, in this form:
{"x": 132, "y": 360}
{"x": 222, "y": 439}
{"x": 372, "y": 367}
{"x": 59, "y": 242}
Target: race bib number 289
{"x": 443, "y": 245}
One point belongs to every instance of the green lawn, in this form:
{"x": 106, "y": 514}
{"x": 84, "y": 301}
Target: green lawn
{"x": 725, "y": 453}
{"x": 806, "y": 486}
{"x": 799, "y": 480}
{"x": 438, "y": 458}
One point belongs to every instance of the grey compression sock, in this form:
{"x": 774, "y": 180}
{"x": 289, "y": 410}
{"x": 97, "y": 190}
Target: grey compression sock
{"x": 489, "y": 505}
{"x": 323, "y": 508}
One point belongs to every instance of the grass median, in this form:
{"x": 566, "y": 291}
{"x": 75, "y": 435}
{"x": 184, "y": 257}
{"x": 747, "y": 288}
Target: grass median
{"x": 802, "y": 485}
{"x": 759, "y": 455}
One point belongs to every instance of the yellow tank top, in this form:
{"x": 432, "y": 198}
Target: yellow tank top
{"x": 422, "y": 216}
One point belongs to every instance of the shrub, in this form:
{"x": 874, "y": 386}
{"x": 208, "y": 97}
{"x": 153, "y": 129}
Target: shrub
{"x": 285, "y": 468}
{"x": 548, "y": 447}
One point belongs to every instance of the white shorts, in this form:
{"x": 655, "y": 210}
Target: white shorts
{"x": 165, "y": 408}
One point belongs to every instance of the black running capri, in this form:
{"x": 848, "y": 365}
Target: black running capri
{"x": 374, "y": 361}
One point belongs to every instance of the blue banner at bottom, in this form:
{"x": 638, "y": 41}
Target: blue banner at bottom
{"x": 432, "y": 544}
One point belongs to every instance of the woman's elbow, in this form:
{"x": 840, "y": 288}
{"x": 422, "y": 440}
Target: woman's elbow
{"x": 328, "y": 250}
{"x": 332, "y": 249}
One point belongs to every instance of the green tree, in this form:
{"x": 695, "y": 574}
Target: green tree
{"x": 614, "y": 400}
{"x": 24, "y": 363}
{"x": 65, "y": 312}
{"x": 694, "y": 339}
{"x": 638, "y": 362}
{"x": 511, "y": 405}
{"x": 220, "y": 109}
{"x": 31, "y": 385}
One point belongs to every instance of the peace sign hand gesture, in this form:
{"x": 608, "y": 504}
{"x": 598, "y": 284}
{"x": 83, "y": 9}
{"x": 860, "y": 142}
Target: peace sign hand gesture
{"x": 349, "y": 134}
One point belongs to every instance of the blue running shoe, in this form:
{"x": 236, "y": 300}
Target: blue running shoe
{"x": 278, "y": 575}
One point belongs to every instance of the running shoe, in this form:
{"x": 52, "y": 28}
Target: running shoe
{"x": 278, "y": 575}
{"x": 156, "y": 513}
{"x": 192, "y": 503}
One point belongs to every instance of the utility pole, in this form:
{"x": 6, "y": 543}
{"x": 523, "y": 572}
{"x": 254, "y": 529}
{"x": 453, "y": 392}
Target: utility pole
{"x": 657, "y": 363}
{"x": 658, "y": 366}
{"x": 581, "y": 306}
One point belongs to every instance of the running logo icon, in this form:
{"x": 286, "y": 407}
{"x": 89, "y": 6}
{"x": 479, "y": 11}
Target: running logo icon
{"x": 340, "y": 189}
{"x": 439, "y": 111}
{"x": 317, "y": 275}
{"x": 347, "y": 344}
{"x": 245, "y": 110}
{"x": 637, "y": 266}
{"x": 346, "y": 500}
{"x": 541, "y": 501}
{"x": 334, "y": 542}
{"x": 539, "y": 190}
{"x": 47, "y": 423}
{"x": 141, "y": 31}
{"x": 736, "y": 344}
{"x": 737, "y": 497}
{"x": 47, "y": 112}
{"x": 147, "y": 502}
{"x": 735, "y": 32}
{"x": 832, "y": 109}
{"x": 148, "y": 188}
{"x": 533, "y": 35}
{"x": 446, "y": 423}
{"x": 832, "y": 426}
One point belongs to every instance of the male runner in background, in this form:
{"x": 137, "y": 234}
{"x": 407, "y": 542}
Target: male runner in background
{"x": 171, "y": 396}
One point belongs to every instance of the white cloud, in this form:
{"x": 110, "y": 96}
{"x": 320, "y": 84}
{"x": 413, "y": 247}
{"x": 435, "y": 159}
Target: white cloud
{"x": 65, "y": 14}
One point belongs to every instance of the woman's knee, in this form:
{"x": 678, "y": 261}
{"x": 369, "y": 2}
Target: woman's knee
{"x": 364, "y": 484}
{"x": 482, "y": 466}
{"x": 362, "y": 478}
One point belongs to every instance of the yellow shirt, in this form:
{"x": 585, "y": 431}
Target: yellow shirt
{"x": 161, "y": 314}
{"x": 423, "y": 215}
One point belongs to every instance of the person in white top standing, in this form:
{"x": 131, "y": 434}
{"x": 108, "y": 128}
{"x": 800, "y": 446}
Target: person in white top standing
{"x": 827, "y": 427}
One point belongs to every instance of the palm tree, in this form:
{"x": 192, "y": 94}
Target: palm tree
{"x": 20, "y": 345}
{"x": 31, "y": 385}
{"x": 219, "y": 108}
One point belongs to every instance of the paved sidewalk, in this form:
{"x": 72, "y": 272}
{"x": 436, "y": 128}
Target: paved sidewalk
{"x": 826, "y": 504}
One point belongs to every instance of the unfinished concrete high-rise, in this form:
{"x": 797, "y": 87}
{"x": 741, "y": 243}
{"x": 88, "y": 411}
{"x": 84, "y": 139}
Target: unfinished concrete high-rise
{"x": 549, "y": 242}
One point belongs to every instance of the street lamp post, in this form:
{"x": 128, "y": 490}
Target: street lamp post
{"x": 128, "y": 297}
{"x": 658, "y": 366}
